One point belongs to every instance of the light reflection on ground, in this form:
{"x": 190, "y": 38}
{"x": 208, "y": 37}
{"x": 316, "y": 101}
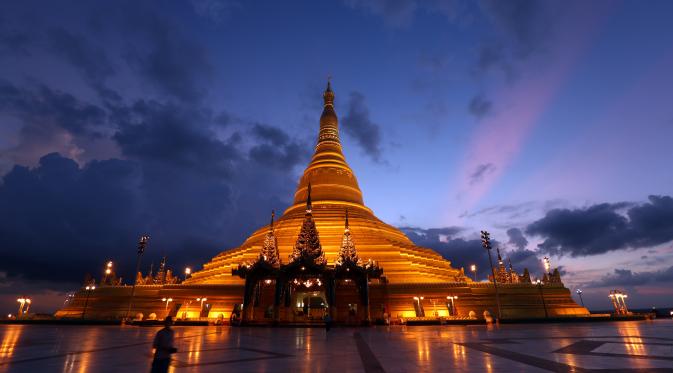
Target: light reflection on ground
{"x": 639, "y": 346}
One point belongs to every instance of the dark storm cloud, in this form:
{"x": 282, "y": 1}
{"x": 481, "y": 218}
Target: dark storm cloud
{"x": 276, "y": 149}
{"x": 359, "y": 125}
{"x": 81, "y": 53}
{"x": 58, "y": 220}
{"x": 479, "y": 106}
{"x": 460, "y": 251}
{"x": 175, "y": 179}
{"x": 463, "y": 252}
{"x": 517, "y": 238}
{"x": 522, "y": 258}
{"x": 173, "y": 134}
{"x": 164, "y": 57}
{"x": 42, "y": 106}
{"x": 480, "y": 172}
{"x": 601, "y": 228}
{"x": 627, "y": 278}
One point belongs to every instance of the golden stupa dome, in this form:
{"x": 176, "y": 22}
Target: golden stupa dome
{"x": 334, "y": 188}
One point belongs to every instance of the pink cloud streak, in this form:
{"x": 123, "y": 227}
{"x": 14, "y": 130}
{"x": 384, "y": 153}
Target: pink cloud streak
{"x": 500, "y": 138}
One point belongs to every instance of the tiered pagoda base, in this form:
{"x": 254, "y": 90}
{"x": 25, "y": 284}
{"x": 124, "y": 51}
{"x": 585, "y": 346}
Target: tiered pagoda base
{"x": 518, "y": 301}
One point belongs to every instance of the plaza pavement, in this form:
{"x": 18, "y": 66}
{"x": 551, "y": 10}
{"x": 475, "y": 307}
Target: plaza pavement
{"x": 636, "y": 346}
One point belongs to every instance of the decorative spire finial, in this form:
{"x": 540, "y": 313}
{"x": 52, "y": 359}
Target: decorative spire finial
{"x": 347, "y": 253}
{"x": 309, "y": 207}
{"x": 499, "y": 257}
{"x": 328, "y": 96}
{"x": 273, "y": 215}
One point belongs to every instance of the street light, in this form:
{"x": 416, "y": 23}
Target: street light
{"x": 420, "y": 309}
{"x": 167, "y": 300}
{"x": 452, "y": 298}
{"x": 142, "y": 243}
{"x": 89, "y": 289}
{"x": 22, "y": 302}
{"x": 618, "y": 299}
{"x": 547, "y": 265}
{"x": 473, "y": 268}
{"x": 108, "y": 271}
{"x": 201, "y": 300}
{"x": 486, "y": 243}
{"x": 188, "y": 272}
{"x": 579, "y": 292}
{"x": 544, "y": 305}
{"x": 28, "y": 302}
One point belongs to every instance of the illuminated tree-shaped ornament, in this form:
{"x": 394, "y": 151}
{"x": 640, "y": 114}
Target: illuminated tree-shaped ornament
{"x": 347, "y": 253}
{"x": 308, "y": 242}
{"x": 269, "y": 253}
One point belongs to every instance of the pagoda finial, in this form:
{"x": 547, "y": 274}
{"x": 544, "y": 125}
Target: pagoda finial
{"x": 328, "y": 96}
{"x": 309, "y": 207}
{"x": 269, "y": 251}
{"x": 347, "y": 252}
{"x": 499, "y": 257}
{"x": 510, "y": 264}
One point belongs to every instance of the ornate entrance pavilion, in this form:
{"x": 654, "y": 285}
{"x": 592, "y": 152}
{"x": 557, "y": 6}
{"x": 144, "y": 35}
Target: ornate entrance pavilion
{"x": 388, "y": 275}
{"x": 290, "y": 292}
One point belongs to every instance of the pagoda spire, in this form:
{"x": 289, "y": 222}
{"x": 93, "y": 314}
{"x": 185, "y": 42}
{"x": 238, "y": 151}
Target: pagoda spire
{"x": 347, "y": 252}
{"x": 328, "y": 95}
{"x": 308, "y": 242}
{"x": 328, "y": 171}
{"x": 309, "y": 207}
{"x": 269, "y": 252}
{"x": 329, "y": 123}
{"x": 346, "y": 223}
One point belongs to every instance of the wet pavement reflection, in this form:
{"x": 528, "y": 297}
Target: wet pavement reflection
{"x": 642, "y": 346}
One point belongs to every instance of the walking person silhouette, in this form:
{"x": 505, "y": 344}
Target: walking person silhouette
{"x": 163, "y": 347}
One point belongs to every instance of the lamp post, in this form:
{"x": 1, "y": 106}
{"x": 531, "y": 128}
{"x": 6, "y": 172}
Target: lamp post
{"x": 473, "y": 268}
{"x": 88, "y": 289}
{"x": 142, "y": 243}
{"x": 579, "y": 292}
{"x": 618, "y": 299}
{"x": 547, "y": 265}
{"x": 167, "y": 300}
{"x": 188, "y": 272}
{"x": 22, "y": 302}
{"x": 544, "y": 305}
{"x": 28, "y": 302}
{"x": 201, "y": 309}
{"x": 486, "y": 243}
{"x": 420, "y": 309}
{"x": 108, "y": 271}
{"x": 452, "y": 298}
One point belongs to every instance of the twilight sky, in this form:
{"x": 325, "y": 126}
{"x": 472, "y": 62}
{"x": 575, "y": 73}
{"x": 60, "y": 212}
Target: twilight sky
{"x": 547, "y": 123}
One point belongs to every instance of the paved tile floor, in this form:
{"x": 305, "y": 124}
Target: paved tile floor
{"x": 645, "y": 346}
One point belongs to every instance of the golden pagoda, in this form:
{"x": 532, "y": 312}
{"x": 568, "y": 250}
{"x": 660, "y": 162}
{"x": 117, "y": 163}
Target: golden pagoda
{"x": 297, "y": 268}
